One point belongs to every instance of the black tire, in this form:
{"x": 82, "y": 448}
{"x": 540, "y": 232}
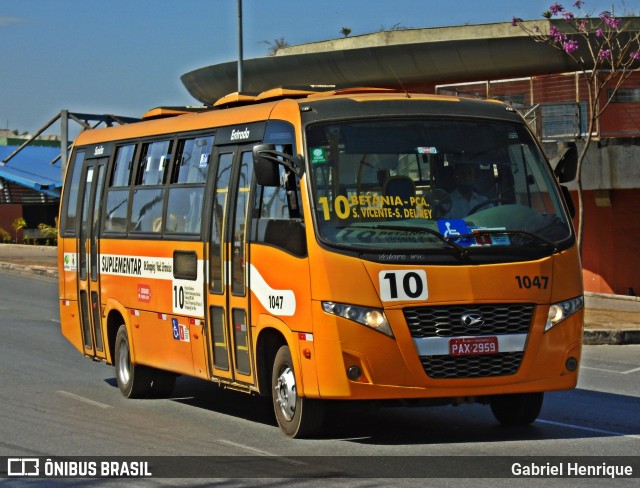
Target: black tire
{"x": 134, "y": 381}
{"x": 297, "y": 417}
{"x": 517, "y": 409}
{"x": 162, "y": 383}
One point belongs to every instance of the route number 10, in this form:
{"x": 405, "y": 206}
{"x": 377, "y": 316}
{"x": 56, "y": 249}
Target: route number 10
{"x": 403, "y": 285}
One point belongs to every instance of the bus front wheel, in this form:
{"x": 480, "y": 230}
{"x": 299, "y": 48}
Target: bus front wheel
{"x": 134, "y": 381}
{"x": 297, "y": 417}
{"x": 517, "y": 409}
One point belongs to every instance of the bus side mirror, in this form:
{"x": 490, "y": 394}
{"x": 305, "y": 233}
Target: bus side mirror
{"x": 265, "y": 164}
{"x": 266, "y": 169}
{"x": 566, "y": 166}
{"x": 568, "y": 200}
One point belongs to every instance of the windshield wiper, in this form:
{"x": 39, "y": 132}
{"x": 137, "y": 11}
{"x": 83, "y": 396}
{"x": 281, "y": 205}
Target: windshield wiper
{"x": 461, "y": 251}
{"x": 521, "y": 233}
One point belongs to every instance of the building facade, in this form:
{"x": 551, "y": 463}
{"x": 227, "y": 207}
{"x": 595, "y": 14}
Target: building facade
{"x": 29, "y": 186}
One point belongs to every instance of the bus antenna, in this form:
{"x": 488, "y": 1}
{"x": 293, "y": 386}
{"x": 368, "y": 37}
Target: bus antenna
{"x": 399, "y": 82}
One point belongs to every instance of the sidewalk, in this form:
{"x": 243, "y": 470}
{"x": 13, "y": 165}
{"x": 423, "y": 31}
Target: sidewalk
{"x": 19, "y": 258}
{"x": 609, "y": 319}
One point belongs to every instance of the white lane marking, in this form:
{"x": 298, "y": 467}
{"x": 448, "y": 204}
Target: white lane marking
{"x": 601, "y": 369}
{"x": 611, "y": 370}
{"x": 260, "y": 452}
{"x": 54, "y": 320}
{"x": 589, "y": 429}
{"x": 83, "y": 399}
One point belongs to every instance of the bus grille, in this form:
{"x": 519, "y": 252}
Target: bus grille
{"x": 446, "y": 321}
{"x": 483, "y": 366}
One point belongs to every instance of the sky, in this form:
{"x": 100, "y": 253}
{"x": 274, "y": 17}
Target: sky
{"x": 124, "y": 57}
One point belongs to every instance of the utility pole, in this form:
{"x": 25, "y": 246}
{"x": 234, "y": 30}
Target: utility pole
{"x": 239, "y": 46}
{"x": 64, "y": 141}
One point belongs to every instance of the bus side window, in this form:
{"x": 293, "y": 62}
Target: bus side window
{"x": 154, "y": 163}
{"x": 277, "y": 216}
{"x": 192, "y": 162}
{"x": 118, "y": 195}
{"x": 122, "y": 166}
{"x": 271, "y": 201}
{"x": 70, "y": 203}
{"x": 148, "y": 194}
{"x": 186, "y": 190}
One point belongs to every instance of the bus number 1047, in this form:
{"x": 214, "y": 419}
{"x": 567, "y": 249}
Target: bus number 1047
{"x": 275, "y": 302}
{"x": 527, "y": 282}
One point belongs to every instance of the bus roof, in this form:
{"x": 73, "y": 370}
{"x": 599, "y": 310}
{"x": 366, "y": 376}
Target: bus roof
{"x": 241, "y": 108}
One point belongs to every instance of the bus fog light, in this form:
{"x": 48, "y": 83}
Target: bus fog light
{"x": 354, "y": 373}
{"x": 571, "y": 364}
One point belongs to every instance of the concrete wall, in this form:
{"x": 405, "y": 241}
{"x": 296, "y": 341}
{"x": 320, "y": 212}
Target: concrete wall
{"x": 610, "y": 257}
{"x": 610, "y": 164}
{"x": 611, "y": 179}
{"x": 8, "y": 213}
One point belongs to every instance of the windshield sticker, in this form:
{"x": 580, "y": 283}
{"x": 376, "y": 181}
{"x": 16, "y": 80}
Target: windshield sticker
{"x": 426, "y": 150}
{"x": 318, "y": 155}
{"x": 490, "y": 236}
{"x": 453, "y": 229}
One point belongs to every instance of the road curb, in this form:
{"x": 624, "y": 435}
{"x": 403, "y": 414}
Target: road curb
{"x": 609, "y": 296}
{"x": 616, "y": 337}
{"x": 22, "y": 269}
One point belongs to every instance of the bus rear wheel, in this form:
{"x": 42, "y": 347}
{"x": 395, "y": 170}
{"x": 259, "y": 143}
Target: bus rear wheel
{"x": 297, "y": 417}
{"x": 517, "y": 409}
{"x": 162, "y": 383}
{"x": 134, "y": 381}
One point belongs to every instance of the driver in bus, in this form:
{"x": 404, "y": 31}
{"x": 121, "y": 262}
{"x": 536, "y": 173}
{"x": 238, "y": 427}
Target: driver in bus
{"x": 465, "y": 197}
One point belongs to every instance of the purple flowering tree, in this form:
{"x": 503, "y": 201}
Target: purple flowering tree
{"x": 605, "y": 52}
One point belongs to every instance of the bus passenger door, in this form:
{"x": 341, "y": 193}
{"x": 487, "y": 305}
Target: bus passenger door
{"x": 88, "y": 279}
{"x": 228, "y": 296}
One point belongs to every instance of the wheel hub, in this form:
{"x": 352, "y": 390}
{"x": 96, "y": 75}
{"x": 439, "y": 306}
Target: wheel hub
{"x": 124, "y": 366}
{"x": 285, "y": 391}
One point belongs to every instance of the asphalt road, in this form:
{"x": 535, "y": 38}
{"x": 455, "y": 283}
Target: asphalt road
{"x": 54, "y": 402}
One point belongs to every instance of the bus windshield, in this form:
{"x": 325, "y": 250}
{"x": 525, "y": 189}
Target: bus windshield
{"x": 433, "y": 184}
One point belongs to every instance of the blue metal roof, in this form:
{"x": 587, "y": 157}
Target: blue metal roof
{"x": 32, "y": 168}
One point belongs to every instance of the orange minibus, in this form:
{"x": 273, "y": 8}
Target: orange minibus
{"x": 353, "y": 244}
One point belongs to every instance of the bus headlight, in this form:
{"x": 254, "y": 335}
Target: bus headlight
{"x": 561, "y": 310}
{"x": 371, "y": 317}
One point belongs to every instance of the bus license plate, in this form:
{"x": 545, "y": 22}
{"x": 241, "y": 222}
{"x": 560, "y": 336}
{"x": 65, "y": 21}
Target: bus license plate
{"x": 471, "y": 346}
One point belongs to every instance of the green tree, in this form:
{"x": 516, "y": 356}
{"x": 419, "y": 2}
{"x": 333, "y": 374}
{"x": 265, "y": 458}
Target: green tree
{"x": 49, "y": 231}
{"x": 4, "y": 235}
{"x": 17, "y": 225}
{"x": 345, "y": 31}
{"x": 605, "y": 51}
